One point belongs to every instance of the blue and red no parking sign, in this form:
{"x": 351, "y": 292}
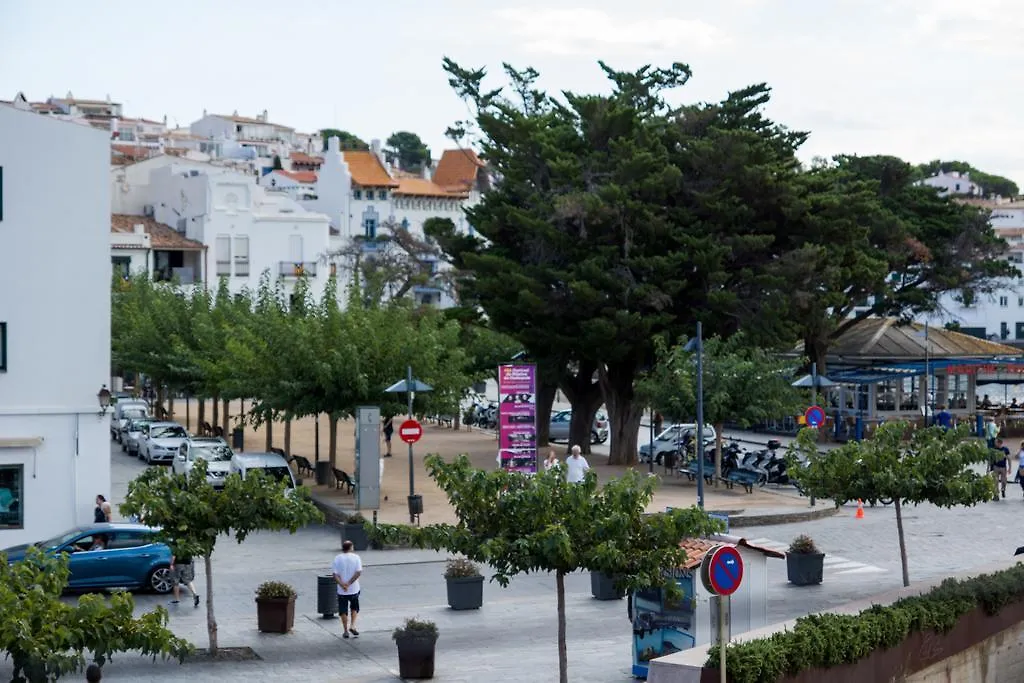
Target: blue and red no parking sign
{"x": 815, "y": 416}
{"x": 722, "y": 570}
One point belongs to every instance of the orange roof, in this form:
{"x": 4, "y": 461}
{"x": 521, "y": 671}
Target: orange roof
{"x": 697, "y": 548}
{"x": 457, "y": 169}
{"x": 126, "y": 154}
{"x": 367, "y": 170}
{"x": 306, "y": 177}
{"x": 419, "y": 187}
{"x": 160, "y": 236}
{"x": 303, "y": 158}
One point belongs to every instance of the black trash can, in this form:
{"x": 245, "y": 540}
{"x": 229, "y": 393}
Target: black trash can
{"x": 323, "y": 472}
{"x": 238, "y": 439}
{"x": 416, "y": 505}
{"x": 326, "y": 596}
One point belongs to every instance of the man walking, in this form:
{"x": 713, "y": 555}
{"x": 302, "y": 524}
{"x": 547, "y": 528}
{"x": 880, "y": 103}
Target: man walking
{"x": 348, "y": 567}
{"x": 1000, "y": 466}
{"x": 991, "y": 431}
{"x": 183, "y": 573}
{"x": 576, "y": 466}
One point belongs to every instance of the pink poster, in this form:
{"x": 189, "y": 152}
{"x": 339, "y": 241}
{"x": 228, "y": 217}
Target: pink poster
{"x": 517, "y": 418}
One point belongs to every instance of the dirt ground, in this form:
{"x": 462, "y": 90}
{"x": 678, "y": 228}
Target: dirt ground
{"x": 481, "y": 447}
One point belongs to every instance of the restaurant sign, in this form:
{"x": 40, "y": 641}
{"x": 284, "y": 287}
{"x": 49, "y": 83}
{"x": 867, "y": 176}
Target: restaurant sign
{"x": 986, "y": 369}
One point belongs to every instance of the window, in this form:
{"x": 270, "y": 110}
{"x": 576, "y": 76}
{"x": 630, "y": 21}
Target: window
{"x": 222, "y": 249}
{"x": 1020, "y": 331}
{"x": 128, "y": 539}
{"x": 370, "y": 228}
{"x": 1020, "y": 300}
{"x": 357, "y": 194}
{"x": 383, "y": 194}
{"x": 242, "y": 255}
{"x": 12, "y": 481}
{"x": 122, "y": 266}
{"x": 1004, "y": 301}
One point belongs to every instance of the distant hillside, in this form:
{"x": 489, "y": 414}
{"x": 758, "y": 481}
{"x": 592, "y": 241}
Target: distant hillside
{"x": 992, "y": 184}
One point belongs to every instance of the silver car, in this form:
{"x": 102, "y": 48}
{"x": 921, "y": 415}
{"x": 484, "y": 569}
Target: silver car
{"x": 162, "y": 442}
{"x": 671, "y": 439}
{"x": 119, "y": 425}
{"x": 214, "y": 450}
{"x": 133, "y": 434}
{"x": 560, "y": 421}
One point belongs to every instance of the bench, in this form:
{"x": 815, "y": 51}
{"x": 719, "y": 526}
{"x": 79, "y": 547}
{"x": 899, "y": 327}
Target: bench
{"x": 303, "y": 465}
{"x": 445, "y": 421}
{"x": 342, "y": 480}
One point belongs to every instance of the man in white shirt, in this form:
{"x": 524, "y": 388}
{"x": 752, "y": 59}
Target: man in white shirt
{"x": 576, "y": 466}
{"x": 347, "y": 570}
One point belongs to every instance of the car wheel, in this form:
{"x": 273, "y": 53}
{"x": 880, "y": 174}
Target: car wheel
{"x": 594, "y": 438}
{"x": 160, "y": 580}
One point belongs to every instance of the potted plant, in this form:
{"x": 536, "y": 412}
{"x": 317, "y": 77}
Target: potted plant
{"x": 602, "y": 587}
{"x": 275, "y": 607}
{"x": 805, "y": 564}
{"x": 354, "y": 529}
{"x": 416, "y": 641}
{"x": 465, "y": 584}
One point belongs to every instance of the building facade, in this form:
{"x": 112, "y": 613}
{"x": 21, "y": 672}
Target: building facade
{"x": 954, "y": 183}
{"x": 54, "y": 338}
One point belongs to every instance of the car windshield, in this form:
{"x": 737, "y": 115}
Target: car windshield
{"x": 59, "y": 540}
{"x": 137, "y": 425}
{"x": 168, "y": 433}
{"x": 212, "y": 452}
{"x": 280, "y": 473}
{"x": 133, "y": 412}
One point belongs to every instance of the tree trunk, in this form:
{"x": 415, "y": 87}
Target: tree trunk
{"x": 332, "y": 441}
{"x": 188, "y": 414}
{"x": 268, "y": 425}
{"x": 216, "y": 411}
{"x": 586, "y": 397}
{"x": 718, "y": 451}
{"x": 624, "y": 412}
{"x": 563, "y": 659}
{"x": 816, "y": 349}
{"x": 287, "y": 438}
{"x": 211, "y": 620}
{"x": 200, "y": 414}
{"x": 159, "y": 410}
{"x": 170, "y": 405}
{"x": 545, "y": 399}
{"x": 225, "y": 417}
{"x": 903, "y": 541}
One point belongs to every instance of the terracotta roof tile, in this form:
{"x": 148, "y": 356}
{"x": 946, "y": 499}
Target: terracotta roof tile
{"x": 418, "y": 187}
{"x": 367, "y": 170}
{"x": 457, "y": 169}
{"x": 305, "y": 177}
{"x": 303, "y": 158}
{"x": 697, "y": 548}
{"x": 160, "y": 236}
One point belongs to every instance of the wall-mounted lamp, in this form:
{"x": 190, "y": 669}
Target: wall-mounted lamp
{"x": 104, "y": 398}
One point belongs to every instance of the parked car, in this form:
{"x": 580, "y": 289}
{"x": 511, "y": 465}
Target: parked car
{"x": 129, "y": 558}
{"x": 214, "y": 450}
{"x": 559, "y": 429}
{"x": 133, "y": 434}
{"x": 120, "y": 426}
{"x": 161, "y": 442}
{"x": 671, "y": 439}
{"x": 272, "y": 464}
{"x": 125, "y": 408}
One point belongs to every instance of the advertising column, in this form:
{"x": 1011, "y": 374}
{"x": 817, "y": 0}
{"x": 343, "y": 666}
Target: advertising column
{"x": 517, "y": 418}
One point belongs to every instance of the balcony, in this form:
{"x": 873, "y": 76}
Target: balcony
{"x": 297, "y": 268}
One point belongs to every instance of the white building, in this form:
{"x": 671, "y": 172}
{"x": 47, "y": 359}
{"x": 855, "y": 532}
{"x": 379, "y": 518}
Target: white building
{"x": 954, "y": 183}
{"x": 54, "y": 338}
{"x": 298, "y": 185}
{"x": 205, "y": 222}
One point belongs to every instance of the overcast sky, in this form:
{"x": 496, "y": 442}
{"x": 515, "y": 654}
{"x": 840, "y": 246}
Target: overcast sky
{"x": 921, "y": 79}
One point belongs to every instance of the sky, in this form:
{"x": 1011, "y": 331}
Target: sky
{"x": 919, "y": 79}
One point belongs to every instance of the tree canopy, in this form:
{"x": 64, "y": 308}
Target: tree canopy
{"x": 409, "y": 150}
{"x": 990, "y": 184}
{"x": 346, "y": 140}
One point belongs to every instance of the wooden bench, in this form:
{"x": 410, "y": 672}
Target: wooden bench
{"x": 303, "y": 465}
{"x": 342, "y": 480}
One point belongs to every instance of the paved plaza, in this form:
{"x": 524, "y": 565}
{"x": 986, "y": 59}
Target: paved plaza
{"x": 512, "y": 638}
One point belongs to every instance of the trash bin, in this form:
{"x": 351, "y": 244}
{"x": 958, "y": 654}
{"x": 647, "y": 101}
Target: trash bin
{"x": 416, "y": 505}
{"x": 238, "y": 439}
{"x": 323, "y": 472}
{"x": 326, "y": 596}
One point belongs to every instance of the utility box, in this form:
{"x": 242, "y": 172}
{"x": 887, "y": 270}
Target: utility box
{"x": 368, "y": 479}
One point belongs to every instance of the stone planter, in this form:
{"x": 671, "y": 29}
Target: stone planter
{"x": 465, "y": 592}
{"x": 602, "y": 587}
{"x": 275, "y": 615}
{"x": 357, "y": 534}
{"x": 415, "y": 656}
{"x": 805, "y": 569}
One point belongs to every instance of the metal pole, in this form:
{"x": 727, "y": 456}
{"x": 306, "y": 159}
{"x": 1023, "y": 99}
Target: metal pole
{"x": 723, "y": 634}
{"x": 814, "y": 383}
{"x": 699, "y": 439}
{"x": 316, "y": 439}
{"x": 412, "y": 480}
{"x": 927, "y": 378}
{"x": 650, "y": 452}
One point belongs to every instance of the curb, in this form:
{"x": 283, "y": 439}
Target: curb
{"x": 772, "y": 518}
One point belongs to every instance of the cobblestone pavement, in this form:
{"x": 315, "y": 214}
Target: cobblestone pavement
{"x": 512, "y": 638}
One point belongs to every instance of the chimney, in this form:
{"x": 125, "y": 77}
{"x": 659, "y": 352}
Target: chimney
{"x": 263, "y": 116}
{"x": 204, "y": 113}
{"x": 333, "y": 145}
{"x": 376, "y": 148}
{"x": 108, "y": 98}
{"x": 114, "y": 133}
{"x": 165, "y": 120}
{"x": 236, "y": 113}
{"x": 139, "y": 229}
{"x": 69, "y": 96}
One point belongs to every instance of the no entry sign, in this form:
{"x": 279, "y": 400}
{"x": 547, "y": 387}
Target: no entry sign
{"x": 722, "y": 570}
{"x": 815, "y": 416}
{"x": 410, "y": 431}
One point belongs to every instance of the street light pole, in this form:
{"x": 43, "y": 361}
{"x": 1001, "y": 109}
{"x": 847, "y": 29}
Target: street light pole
{"x": 650, "y": 451}
{"x": 699, "y": 440}
{"x": 410, "y": 393}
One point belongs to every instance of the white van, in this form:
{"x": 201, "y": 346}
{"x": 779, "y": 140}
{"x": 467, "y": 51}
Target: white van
{"x": 125, "y": 410}
{"x": 272, "y": 464}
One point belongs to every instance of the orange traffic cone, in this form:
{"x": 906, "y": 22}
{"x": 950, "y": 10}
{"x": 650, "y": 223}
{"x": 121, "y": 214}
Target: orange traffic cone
{"x": 860, "y": 509}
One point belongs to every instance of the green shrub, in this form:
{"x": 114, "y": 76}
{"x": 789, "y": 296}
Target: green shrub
{"x": 828, "y": 640}
{"x": 271, "y": 590}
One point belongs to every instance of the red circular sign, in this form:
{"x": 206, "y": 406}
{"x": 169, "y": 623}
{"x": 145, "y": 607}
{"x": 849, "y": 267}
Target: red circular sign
{"x": 722, "y": 570}
{"x": 410, "y": 431}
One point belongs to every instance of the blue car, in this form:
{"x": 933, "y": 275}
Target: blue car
{"x": 109, "y": 556}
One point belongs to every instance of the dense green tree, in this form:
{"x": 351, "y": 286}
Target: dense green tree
{"x": 192, "y": 515}
{"x": 409, "y": 150}
{"x": 743, "y": 384}
{"x": 620, "y": 218}
{"x": 990, "y": 184}
{"x": 345, "y": 139}
{"x": 277, "y": 163}
{"x": 47, "y": 638}
{"x": 933, "y": 466}
{"x": 519, "y": 525}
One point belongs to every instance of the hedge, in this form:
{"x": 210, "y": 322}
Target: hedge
{"x": 827, "y": 640}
